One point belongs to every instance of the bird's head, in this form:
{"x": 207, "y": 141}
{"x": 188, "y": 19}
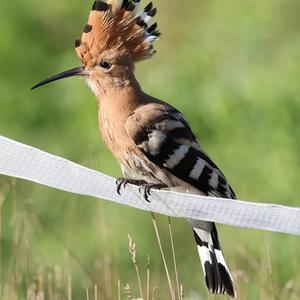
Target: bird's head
{"x": 114, "y": 39}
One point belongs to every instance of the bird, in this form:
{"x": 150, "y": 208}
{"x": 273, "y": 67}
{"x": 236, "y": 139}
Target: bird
{"x": 152, "y": 141}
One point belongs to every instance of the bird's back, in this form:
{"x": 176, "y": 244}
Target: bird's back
{"x": 164, "y": 136}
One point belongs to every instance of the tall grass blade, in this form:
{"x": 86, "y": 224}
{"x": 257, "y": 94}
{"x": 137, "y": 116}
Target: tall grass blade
{"x": 69, "y": 286}
{"x": 174, "y": 258}
{"x": 172, "y": 294}
{"x": 119, "y": 289}
{"x": 96, "y": 291}
{"x": 181, "y": 292}
{"x": 87, "y": 294}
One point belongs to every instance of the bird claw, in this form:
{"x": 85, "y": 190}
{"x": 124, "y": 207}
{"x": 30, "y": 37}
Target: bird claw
{"x": 146, "y": 189}
{"x": 122, "y": 182}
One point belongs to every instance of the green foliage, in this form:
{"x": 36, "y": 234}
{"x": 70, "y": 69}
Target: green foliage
{"x": 232, "y": 67}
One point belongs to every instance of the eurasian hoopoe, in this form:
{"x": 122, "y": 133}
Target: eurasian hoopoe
{"x": 151, "y": 140}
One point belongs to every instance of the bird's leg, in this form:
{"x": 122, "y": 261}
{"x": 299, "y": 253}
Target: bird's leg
{"x": 146, "y": 189}
{"x": 122, "y": 182}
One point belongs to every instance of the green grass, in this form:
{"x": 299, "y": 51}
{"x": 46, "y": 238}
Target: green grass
{"x": 233, "y": 69}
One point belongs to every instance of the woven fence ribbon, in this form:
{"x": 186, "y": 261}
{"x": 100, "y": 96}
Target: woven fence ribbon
{"x": 22, "y": 161}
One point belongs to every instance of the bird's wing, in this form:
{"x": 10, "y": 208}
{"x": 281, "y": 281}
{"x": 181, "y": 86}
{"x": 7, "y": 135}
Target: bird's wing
{"x": 166, "y": 139}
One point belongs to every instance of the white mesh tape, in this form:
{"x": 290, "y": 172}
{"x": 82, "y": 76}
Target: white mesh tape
{"x": 22, "y": 161}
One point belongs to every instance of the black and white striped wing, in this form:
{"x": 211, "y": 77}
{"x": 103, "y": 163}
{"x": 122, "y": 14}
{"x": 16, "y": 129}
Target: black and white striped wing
{"x": 167, "y": 140}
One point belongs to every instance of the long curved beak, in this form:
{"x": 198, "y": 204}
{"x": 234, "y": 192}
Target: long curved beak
{"x": 79, "y": 71}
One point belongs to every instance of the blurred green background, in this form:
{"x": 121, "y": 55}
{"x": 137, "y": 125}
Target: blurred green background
{"x": 232, "y": 67}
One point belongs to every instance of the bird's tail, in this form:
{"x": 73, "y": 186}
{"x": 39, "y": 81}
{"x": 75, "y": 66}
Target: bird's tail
{"x": 217, "y": 276}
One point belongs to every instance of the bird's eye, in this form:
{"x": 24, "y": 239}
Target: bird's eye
{"x": 105, "y": 64}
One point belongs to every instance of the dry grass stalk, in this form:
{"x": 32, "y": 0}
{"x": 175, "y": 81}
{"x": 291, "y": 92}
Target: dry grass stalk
{"x": 154, "y": 293}
{"x": 87, "y": 294}
{"x": 41, "y": 286}
{"x": 106, "y": 289}
{"x": 96, "y": 291}
{"x": 127, "y": 291}
{"x": 171, "y": 290}
{"x": 288, "y": 289}
{"x": 273, "y": 292}
{"x": 181, "y": 292}
{"x": 132, "y": 251}
{"x": 69, "y": 286}
{"x": 31, "y": 292}
{"x": 119, "y": 289}
{"x": 174, "y": 257}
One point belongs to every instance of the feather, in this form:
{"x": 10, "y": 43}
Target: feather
{"x": 217, "y": 275}
{"x": 115, "y": 26}
{"x": 169, "y": 142}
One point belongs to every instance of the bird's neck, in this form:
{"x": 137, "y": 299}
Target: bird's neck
{"x": 116, "y": 102}
{"x": 119, "y": 97}
{"x": 117, "y": 94}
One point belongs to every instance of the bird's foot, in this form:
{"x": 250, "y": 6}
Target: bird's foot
{"x": 147, "y": 187}
{"x": 144, "y": 187}
{"x": 122, "y": 182}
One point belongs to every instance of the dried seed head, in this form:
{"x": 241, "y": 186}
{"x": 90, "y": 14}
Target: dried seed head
{"x": 132, "y": 249}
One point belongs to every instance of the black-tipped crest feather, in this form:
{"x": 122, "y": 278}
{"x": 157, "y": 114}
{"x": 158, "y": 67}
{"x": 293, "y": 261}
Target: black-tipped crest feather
{"x": 77, "y": 43}
{"x": 130, "y": 6}
{"x": 148, "y": 8}
{"x": 100, "y": 6}
{"x": 152, "y": 12}
{"x": 119, "y": 28}
{"x": 87, "y": 28}
{"x": 141, "y": 22}
{"x": 152, "y": 28}
{"x": 124, "y": 3}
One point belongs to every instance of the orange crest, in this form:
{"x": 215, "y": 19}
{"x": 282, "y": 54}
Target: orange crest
{"x": 115, "y": 25}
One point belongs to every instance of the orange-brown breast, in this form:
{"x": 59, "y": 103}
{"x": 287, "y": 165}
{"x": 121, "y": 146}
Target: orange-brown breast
{"x": 114, "y": 109}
